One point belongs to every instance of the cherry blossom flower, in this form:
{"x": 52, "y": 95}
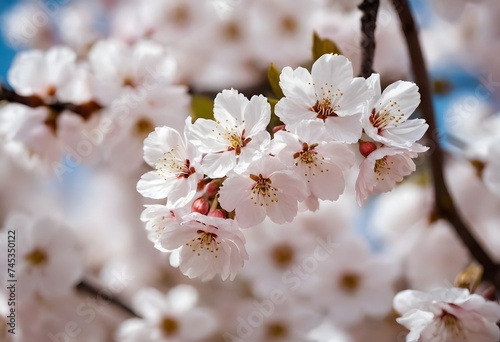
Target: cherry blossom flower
{"x": 386, "y": 120}
{"x": 447, "y": 315}
{"x": 318, "y": 162}
{"x": 172, "y": 317}
{"x": 236, "y": 137}
{"x": 206, "y": 246}
{"x": 358, "y": 282}
{"x": 49, "y": 75}
{"x": 329, "y": 94}
{"x": 122, "y": 70}
{"x": 176, "y": 168}
{"x": 266, "y": 188}
{"x": 383, "y": 168}
{"x": 48, "y": 260}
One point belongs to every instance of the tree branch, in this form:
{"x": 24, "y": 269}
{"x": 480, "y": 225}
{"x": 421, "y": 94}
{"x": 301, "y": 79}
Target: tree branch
{"x": 368, "y": 25}
{"x": 444, "y": 206}
{"x": 85, "y": 110}
{"x": 85, "y": 287}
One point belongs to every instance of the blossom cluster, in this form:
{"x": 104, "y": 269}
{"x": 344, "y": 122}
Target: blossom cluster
{"x": 228, "y": 173}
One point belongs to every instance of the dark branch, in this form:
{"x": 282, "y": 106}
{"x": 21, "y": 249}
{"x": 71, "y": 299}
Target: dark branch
{"x": 85, "y": 110}
{"x": 368, "y": 25}
{"x": 99, "y": 294}
{"x": 444, "y": 206}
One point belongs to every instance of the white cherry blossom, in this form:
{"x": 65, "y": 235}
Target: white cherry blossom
{"x": 206, "y": 246}
{"x": 317, "y": 161}
{"x": 383, "y": 168}
{"x": 171, "y": 317}
{"x": 176, "y": 168}
{"x": 447, "y": 315}
{"x": 48, "y": 261}
{"x": 329, "y": 94}
{"x": 236, "y": 136}
{"x": 386, "y": 120}
{"x": 266, "y": 188}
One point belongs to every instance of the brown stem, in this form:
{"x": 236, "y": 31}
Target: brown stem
{"x": 85, "y": 287}
{"x": 444, "y": 206}
{"x": 368, "y": 25}
{"x": 85, "y": 110}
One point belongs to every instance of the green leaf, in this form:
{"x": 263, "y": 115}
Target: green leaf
{"x": 202, "y": 107}
{"x": 322, "y": 46}
{"x": 273, "y": 76}
{"x": 275, "y": 121}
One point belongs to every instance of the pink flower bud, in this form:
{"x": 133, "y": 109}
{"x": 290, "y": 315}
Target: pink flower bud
{"x": 278, "y": 128}
{"x": 212, "y": 189}
{"x": 217, "y": 213}
{"x": 366, "y": 147}
{"x": 201, "y": 206}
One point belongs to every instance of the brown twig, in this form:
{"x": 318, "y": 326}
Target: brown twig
{"x": 368, "y": 25}
{"x": 85, "y": 287}
{"x": 85, "y": 110}
{"x": 444, "y": 206}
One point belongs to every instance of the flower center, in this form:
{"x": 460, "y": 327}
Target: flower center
{"x": 172, "y": 165}
{"x": 350, "y": 282}
{"x": 289, "y": 25}
{"x": 324, "y": 109}
{"x": 143, "y": 127}
{"x": 262, "y": 191}
{"x": 180, "y": 15}
{"x": 307, "y": 156}
{"x": 384, "y": 118}
{"x": 276, "y": 330}
{"x": 205, "y": 241}
{"x": 169, "y": 326}
{"x": 382, "y": 168}
{"x": 236, "y": 141}
{"x": 283, "y": 255}
{"x": 37, "y": 257}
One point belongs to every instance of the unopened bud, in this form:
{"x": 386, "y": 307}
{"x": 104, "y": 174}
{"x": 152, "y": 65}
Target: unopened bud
{"x": 217, "y": 213}
{"x": 212, "y": 189}
{"x": 278, "y": 128}
{"x": 366, "y": 147}
{"x": 201, "y": 206}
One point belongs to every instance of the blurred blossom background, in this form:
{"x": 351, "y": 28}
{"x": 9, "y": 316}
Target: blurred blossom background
{"x": 86, "y": 264}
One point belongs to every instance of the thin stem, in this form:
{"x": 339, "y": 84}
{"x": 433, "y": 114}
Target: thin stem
{"x": 85, "y": 110}
{"x": 444, "y": 206}
{"x": 368, "y": 25}
{"x": 85, "y": 287}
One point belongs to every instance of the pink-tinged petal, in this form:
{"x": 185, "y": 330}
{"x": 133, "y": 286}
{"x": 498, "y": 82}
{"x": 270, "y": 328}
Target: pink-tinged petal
{"x": 257, "y": 115}
{"x": 399, "y": 100}
{"x": 405, "y": 134}
{"x": 162, "y": 140}
{"x": 249, "y": 213}
{"x": 331, "y": 72}
{"x": 291, "y": 113}
{"x": 217, "y": 165}
{"x": 374, "y": 83}
{"x": 337, "y": 153}
{"x": 153, "y": 185}
{"x": 355, "y": 98}
{"x": 149, "y": 303}
{"x": 109, "y": 60}
{"x": 229, "y": 106}
{"x": 207, "y": 136}
{"x": 182, "y": 192}
{"x": 297, "y": 85}
{"x": 182, "y": 298}
{"x": 24, "y": 75}
{"x": 233, "y": 191}
{"x": 284, "y": 209}
{"x": 327, "y": 183}
{"x": 344, "y": 129}
{"x": 60, "y": 61}
{"x": 416, "y": 321}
